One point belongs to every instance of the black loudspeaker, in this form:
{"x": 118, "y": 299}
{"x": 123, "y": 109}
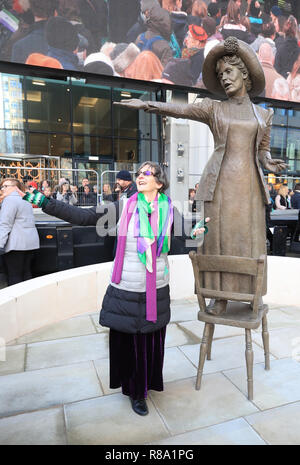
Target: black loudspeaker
{"x": 279, "y": 240}
{"x": 64, "y": 248}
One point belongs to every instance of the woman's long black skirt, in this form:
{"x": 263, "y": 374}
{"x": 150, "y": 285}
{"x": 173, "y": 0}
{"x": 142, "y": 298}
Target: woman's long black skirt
{"x": 136, "y": 362}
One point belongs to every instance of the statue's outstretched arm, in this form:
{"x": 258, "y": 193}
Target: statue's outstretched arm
{"x": 199, "y": 111}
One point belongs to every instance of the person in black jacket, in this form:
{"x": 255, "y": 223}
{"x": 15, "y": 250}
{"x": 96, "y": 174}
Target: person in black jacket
{"x": 35, "y": 41}
{"x": 288, "y": 51}
{"x": 295, "y": 201}
{"x": 136, "y": 313}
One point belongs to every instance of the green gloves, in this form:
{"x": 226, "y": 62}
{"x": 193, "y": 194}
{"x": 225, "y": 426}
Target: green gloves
{"x": 36, "y": 198}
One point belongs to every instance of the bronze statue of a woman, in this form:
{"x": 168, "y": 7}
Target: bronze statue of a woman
{"x": 232, "y": 185}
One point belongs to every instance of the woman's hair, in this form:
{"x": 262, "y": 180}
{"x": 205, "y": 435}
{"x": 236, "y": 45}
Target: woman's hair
{"x": 281, "y": 20}
{"x": 187, "y": 6}
{"x": 146, "y": 66}
{"x": 69, "y": 9}
{"x": 108, "y": 188}
{"x": 233, "y": 13}
{"x": 199, "y": 8}
{"x": 268, "y": 29}
{"x": 234, "y": 60}
{"x": 15, "y": 182}
{"x": 245, "y": 21}
{"x": 61, "y": 187}
{"x": 283, "y": 190}
{"x": 159, "y": 174}
{"x": 290, "y": 27}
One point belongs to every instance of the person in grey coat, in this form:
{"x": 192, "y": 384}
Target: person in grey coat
{"x": 18, "y": 234}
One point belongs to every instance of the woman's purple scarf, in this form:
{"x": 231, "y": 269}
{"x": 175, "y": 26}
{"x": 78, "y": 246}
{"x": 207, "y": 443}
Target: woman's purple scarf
{"x": 151, "y": 303}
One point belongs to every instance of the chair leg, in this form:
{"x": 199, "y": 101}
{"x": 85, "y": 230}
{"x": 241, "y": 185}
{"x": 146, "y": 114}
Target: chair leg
{"x": 265, "y": 338}
{"x": 202, "y": 355}
{"x": 211, "y": 335}
{"x": 249, "y": 362}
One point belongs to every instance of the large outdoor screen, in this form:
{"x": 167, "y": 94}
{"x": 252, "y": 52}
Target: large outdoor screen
{"x": 152, "y": 40}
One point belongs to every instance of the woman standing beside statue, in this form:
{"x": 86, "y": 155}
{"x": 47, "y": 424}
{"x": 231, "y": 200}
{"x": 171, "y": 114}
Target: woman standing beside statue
{"x": 232, "y": 185}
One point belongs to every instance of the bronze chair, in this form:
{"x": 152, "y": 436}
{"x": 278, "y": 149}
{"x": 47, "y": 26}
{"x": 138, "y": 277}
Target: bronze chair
{"x": 242, "y": 311}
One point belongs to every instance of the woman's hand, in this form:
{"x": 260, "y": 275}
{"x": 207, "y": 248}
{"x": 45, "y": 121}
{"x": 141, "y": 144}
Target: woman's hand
{"x": 199, "y": 231}
{"x": 275, "y": 165}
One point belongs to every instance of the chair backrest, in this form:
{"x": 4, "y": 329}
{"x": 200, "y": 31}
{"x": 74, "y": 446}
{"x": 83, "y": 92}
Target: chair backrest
{"x": 229, "y": 264}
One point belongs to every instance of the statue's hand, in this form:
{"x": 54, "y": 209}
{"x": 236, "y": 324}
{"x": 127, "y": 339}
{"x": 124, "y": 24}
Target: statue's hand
{"x": 275, "y": 165}
{"x": 133, "y": 103}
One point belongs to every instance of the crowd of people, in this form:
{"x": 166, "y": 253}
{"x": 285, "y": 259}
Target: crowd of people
{"x": 167, "y": 42}
{"x": 283, "y": 198}
{"x": 86, "y": 193}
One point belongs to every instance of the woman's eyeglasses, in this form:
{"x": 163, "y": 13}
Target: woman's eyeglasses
{"x": 144, "y": 173}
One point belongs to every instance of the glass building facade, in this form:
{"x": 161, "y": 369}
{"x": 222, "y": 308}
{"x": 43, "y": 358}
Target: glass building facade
{"x": 46, "y": 123}
{"x": 74, "y": 125}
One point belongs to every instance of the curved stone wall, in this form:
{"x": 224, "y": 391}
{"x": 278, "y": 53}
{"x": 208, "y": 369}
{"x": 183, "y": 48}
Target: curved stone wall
{"x": 33, "y": 304}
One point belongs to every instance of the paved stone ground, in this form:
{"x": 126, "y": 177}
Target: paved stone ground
{"x": 55, "y": 390}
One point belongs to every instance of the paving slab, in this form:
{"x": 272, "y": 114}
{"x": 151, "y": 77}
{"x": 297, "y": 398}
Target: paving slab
{"x": 278, "y": 386}
{"x": 110, "y": 420}
{"x": 44, "y": 427}
{"x": 279, "y": 426}
{"x": 226, "y": 354}
{"x": 279, "y": 318}
{"x": 184, "y": 409}
{"x": 175, "y": 336}
{"x": 13, "y": 360}
{"x": 284, "y": 342}
{"x": 102, "y": 368}
{"x": 39, "y": 389}
{"x": 184, "y": 311}
{"x": 66, "y": 351}
{"x": 177, "y": 366}
{"x": 234, "y": 433}
{"x": 77, "y": 326}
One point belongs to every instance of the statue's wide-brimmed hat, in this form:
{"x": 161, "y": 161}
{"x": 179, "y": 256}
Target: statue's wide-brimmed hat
{"x": 233, "y": 46}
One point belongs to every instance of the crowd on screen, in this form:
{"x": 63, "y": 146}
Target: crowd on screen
{"x": 155, "y": 40}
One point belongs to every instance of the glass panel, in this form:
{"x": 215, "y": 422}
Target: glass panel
{"x": 145, "y": 151}
{"x": 278, "y": 142}
{"x": 91, "y": 109}
{"x": 126, "y": 150}
{"x": 294, "y": 165}
{"x": 154, "y": 126}
{"x": 294, "y": 118}
{"x": 12, "y": 142}
{"x": 49, "y": 144}
{"x": 48, "y": 104}
{"x": 85, "y": 145}
{"x": 126, "y": 122}
{"x": 89, "y": 170}
{"x": 293, "y": 144}
{"x": 11, "y": 102}
{"x": 155, "y": 151}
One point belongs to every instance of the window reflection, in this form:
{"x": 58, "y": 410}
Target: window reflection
{"x": 91, "y": 110}
{"x": 48, "y": 105}
{"x": 85, "y": 145}
{"x": 49, "y": 144}
{"x": 126, "y": 150}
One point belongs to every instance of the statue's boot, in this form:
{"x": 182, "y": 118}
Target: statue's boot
{"x": 216, "y": 307}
